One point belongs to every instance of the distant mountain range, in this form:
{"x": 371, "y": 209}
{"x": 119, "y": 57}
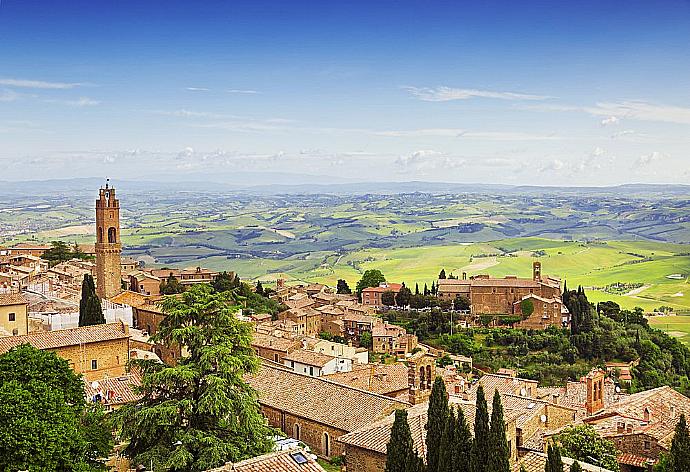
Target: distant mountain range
{"x": 310, "y": 184}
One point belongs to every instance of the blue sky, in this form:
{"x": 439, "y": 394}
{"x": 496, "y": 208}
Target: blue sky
{"x": 581, "y": 93}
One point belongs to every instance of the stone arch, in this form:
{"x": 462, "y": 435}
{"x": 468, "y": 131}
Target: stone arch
{"x": 112, "y": 235}
{"x": 296, "y": 431}
{"x": 422, "y": 380}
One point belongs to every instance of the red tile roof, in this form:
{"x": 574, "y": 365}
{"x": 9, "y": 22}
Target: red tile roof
{"x": 294, "y": 460}
{"x": 387, "y": 288}
{"x": 67, "y": 337}
{"x": 7, "y": 299}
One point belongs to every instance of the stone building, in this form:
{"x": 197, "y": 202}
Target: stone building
{"x": 392, "y": 339}
{"x": 108, "y": 245}
{"x": 273, "y": 348}
{"x": 316, "y": 364}
{"x": 315, "y": 410}
{"x": 14, "y": 317}
{"x": 97, "y": 351}
{"x": 546, "y": 312}
{"x": 371, "y": 296}
{"x": 488, "y": 295}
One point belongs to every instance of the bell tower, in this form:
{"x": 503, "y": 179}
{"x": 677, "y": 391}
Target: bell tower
{"x": 108, "y": 246}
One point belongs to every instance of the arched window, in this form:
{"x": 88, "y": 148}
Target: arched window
{"x": 112, "y": 235}
{"x": 422, "y": 383}
{"x": 326, "y": 444}
{"x": 428, "y": 376}
{"x": 296, "y": 431}
{"x": 100, "y": 234}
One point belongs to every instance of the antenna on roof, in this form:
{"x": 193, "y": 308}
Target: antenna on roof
{"x": 107, "y": 181}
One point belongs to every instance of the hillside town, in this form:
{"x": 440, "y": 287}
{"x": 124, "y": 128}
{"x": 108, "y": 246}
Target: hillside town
{"x": 333, "y": 371}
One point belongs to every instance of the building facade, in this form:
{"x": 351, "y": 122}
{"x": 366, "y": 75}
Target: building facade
{"x": 14, "y": 318}
{"x": 108, "y": 245}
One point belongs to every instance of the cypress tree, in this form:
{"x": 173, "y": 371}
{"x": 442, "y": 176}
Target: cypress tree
{"x": 480, "y": 445}
{"x": 448, "y": 439}
{"x": 437, "y": 416}
{"x": 499, "y": 459}
{"x": 426, "y": 290}
{"x": 462, "y": 449}
{"x": 553, "y": 459}
{"x": 680, "y": 447}
{"x": 90, "y": 311}
{"x": 416, "y": 288}
{"x": 575, "y": 467}
{"x": 400, "y": 455}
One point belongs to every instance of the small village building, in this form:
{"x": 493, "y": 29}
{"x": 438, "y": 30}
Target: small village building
{"x": 391, "y": 380}
{"x": 97, "y": 351}
{"x": 536, "y": 462}
{"x": 274, "y": 348}
{"x": 371, "y": 296}
{"x": 315, "y": 410}
{"x": 316, "y": 364}
{"x": 14, "y": 316}
{"x": 290, "y": 460}
{"x": 144, "y": 283}
{"x": 113, "y": 392}
{"x": 355, "y": 324}
{"x": 392, "y": 339}
{"x": 546, "y": 312}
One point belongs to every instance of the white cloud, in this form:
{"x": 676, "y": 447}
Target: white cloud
{"x": 611, "y": 120}
{"x": 245, "y": 92}
{"x": 631, "y": 109}
{"x": 620, "y": 134}
{"x": 426, "y": 160}
{"x": 197, "y": 89}
{"x": 37, "y": 84}
{"x": 647, "y": 159}
{"x": 189, "y": 114}
{"x": 444, "y": 94}
{"x": 8, "y": 95}
{"x": 80, "y": 102}
{"x": 465, "y": 134}
{"x": 552, "y": 166}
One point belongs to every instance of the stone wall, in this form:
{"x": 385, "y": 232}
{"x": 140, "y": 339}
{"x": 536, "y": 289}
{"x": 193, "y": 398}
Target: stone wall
{"x": 635, "y": 444}
{"x": 111, "y": 358}
{"x": 364, "y": 460}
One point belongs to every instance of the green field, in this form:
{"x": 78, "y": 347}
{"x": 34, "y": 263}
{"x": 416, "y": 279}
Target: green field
{"x": 676, "y": 326}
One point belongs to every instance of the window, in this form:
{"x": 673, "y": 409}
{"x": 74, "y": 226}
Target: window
{"x": 296, "y": 431}
{"x": 647, "y": 446}
{"x": 15, "y": 332}
{"x": 275, "y": 357}
{"x": 326, "y": 444}
{"x": 94, "y": 364}
{"x": 12, "y": 316}
{"x": 311, "y": 371}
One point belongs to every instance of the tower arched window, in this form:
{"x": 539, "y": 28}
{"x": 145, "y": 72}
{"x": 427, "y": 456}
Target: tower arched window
{"x": 326, "y": 444}
{"x": 112, "y": 235}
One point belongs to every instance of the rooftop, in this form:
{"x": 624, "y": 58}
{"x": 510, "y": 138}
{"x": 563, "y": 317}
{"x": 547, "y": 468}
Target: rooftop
{"x": 292, "y": 460}
{"x": 312, "y": 358}
{"x": 67, "y": 337}
{"x": 376, "y": 378}
{"x": 8, "y": 299}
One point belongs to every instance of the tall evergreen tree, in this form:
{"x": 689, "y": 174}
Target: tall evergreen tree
{"x": 416, "y": 288}
{"x": 554, "y": 463}
{"x": 680, "y": 447}
{"x": 259, "y": 288}
{"x": 480, "y": 446}
{"x": 400, "y": 453}
{"x": 433, "y": 288}
{"x": 200, "y": 413}
{"x": 463, "y": 443}
{"x": 446, "y": 460}
{"x": 90, "y": 311}
{"x": 437, "y": 416}
{"x": 499, "y": 459}
{"x": 575, "y": 467}
{"x": 426, "y": 290}
{"x": 442, "y": 274}
{"x": 342, "y": 287}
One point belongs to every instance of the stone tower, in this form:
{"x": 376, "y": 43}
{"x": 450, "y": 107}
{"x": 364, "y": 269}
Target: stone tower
{"x": 536, "y": 271}
{"x": 108, "y": 247}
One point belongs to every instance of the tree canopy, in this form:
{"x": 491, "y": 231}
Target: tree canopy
{"x": 45, "y": 423}
{"x": 680, "y": 447}
{"x": 370, "y": 278}
{"x": 499, "y": 459}
{"x": 400, "y": 453}
{"x": 582, "y": 443}
{"x": 171, "y": 286}
{"x": 90, "y": 311}
{"x": 342, "y": 287}
{"x": 437, "y": 415}
{"x": 200, "y": 413}
{"x": 480, "y": 446}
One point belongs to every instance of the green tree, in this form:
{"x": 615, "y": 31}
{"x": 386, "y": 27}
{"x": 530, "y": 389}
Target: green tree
{"x": 442, "y": 274}
{"x": 90, "y": 311}
{"x": 403, "y": 297}
{"x": 554, "y": 463}
{"x": 437, "y": 417}
{"x": 463, "y": 444}
{"x": 59, "y": 252}
{"x": 446, "y": 454}
{"x": 480, "y": 446}
{"x": 575, "y": 467}
{"x": 527, "y": 308}
{"x": 680, "y": 447}
{"x": 44, "y": 421}
{"x": 259, "y": 289}
{"x": 343, "y": 287}
{"x": 370, "y": 278}
{"x": 416, "y": 289}
{"x": 200, "y": 413}
{"x": 461, "y": 303}
{"x": 388, "y": 298}
{"x": 400, "y": 453}
{"x": 171, "y": 286}
{"x": 499, "y": 459}
{"x": 224, "y": 282}
{"x": 582, "y": 443}
{"x": 365, "y": 340}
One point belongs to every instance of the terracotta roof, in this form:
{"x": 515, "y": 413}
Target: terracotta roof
{"x": 536, "y": 462}
{"x": 7, "y": 299}
{"x": 273, "y": 342}
{"x": 321, "y": 400}
{"x": 293, "y": 460}
{"x": 634, "y": 460}
{"x": 387, "y": 288}
{"x": 377, "y": 378}
{"x": 385, "y": 329}
{"x": 504, "y": 283}
{"x": 128, "y": 297}
{"x": 300, "y": 303}
{"x": 316, "y": 359}
{"x": 504, "y": 384}
{"x": 115, "y": 390}
{"x": 66, "y": 337}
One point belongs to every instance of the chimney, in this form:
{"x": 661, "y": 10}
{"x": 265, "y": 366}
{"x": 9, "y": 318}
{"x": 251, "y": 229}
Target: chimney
{"x": 464, "y": 276}
{"x": 280, "y": 283}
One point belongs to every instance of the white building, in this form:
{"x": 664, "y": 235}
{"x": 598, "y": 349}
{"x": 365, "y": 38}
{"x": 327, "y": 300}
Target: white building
{"x": 316, "y": 364}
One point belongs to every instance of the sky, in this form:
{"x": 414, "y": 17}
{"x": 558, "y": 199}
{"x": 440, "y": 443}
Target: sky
{"x": 512, "y": 92}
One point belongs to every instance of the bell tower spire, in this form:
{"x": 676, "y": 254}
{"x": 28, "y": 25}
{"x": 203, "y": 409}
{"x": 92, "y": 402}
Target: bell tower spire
{"x": 108, "y": 245}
